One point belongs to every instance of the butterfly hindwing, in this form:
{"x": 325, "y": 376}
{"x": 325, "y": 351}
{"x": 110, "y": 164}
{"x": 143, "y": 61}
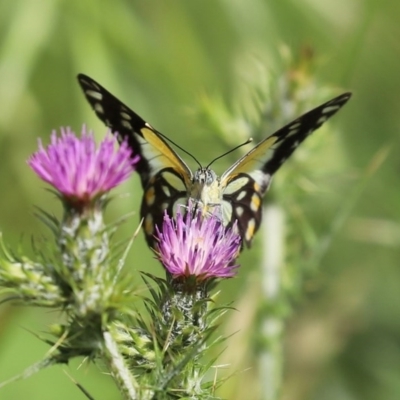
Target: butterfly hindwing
{"x": 161, "y": 194}
{"x": 242, "y": 203}
{"x": 245, "y": 182}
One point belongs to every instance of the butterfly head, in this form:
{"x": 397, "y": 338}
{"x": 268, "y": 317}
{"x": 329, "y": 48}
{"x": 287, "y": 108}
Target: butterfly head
{"x": 205, "y": 176}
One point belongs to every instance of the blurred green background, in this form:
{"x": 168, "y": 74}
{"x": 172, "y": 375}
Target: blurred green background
{"x": 173, "y": 62}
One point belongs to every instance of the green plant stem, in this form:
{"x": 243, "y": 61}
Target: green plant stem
{"x": 271, "y": 359}
{"x": 119, "y": 369}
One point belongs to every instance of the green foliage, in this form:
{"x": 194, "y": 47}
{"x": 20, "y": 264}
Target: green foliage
{"x": 150, "y": 355}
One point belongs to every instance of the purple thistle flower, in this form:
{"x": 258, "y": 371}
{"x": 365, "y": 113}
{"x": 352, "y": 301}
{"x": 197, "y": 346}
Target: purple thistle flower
{"x": 75, "y": 168}
{"x": 197, "y": 246}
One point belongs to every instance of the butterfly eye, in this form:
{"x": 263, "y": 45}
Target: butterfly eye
{"x": 211, "y": 176}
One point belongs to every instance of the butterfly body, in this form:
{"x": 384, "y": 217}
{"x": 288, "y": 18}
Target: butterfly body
{"x": 168, "y": 182}
{"x": 166, "y": 191}
{"x": 206, "y": 189}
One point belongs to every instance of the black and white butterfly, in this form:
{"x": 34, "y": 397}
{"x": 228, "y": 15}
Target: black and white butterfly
{"x": 167, "y": 181}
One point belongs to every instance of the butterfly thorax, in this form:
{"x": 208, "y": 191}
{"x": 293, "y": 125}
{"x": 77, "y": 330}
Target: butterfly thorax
{"x": 205, "y": 189}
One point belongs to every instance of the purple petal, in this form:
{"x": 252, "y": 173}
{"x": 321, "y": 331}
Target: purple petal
{"x": 75, "y": 168}
{"x": 198, "y": 246}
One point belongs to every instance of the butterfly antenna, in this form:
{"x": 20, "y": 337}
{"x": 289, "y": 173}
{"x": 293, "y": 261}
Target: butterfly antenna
{"x": 180, "y": 148}
{"x": 230, "y": 151}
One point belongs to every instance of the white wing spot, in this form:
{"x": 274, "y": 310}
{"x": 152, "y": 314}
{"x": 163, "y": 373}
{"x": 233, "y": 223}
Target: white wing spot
{"x": 330, "y": 109}
{"x": 98, "y": 108}
{"x": 322, "y": 120}
{"x": 241, "y": 195}
{"x": 94, "y": 95}
{"x": 296, "y": 125}
{"x": 125, "y": 116}
{"x": 294, "y": 129}
{"x": 292, "y": 132}
{"x": 166, "y": 190}
{"x": 239, "y": 211}
{"x": 126, "y": 124}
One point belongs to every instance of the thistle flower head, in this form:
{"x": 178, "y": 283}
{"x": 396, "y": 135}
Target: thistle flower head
{"x": 192, "y": 245}
{"x": 79, "y": 170}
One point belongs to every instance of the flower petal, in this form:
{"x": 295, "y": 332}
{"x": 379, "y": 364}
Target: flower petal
{"x": 192, "y": 245}
{"x": 75, "y": 168}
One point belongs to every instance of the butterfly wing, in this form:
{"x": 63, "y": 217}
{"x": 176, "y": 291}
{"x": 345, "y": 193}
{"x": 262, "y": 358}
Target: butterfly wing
{"x": 245, "y": 182}
{"x": 164, "y": 175}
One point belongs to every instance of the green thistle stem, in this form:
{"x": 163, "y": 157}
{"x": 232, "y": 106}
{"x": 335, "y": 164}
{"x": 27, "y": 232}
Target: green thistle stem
{"x": 84, "y": 245}
{"x": 83, "y": 239}
{"x": 119, "y": 369}
{"x": 271, "y": 358}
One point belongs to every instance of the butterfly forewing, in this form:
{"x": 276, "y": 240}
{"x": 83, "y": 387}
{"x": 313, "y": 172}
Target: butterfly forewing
{"x": 290, "y": 136}
{"x": 155, "y": 152}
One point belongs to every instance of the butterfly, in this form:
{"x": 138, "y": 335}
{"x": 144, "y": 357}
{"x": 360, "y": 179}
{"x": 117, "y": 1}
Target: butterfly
{"x": 167, "y": 181}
